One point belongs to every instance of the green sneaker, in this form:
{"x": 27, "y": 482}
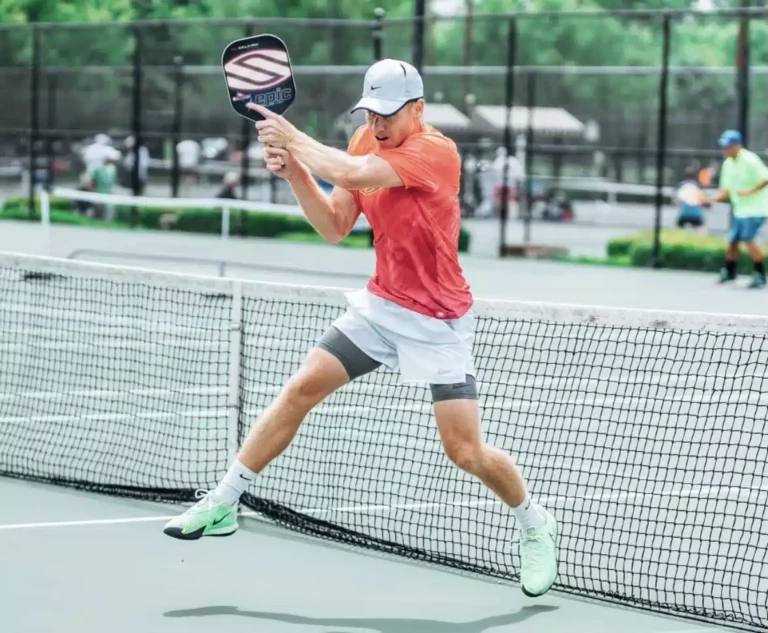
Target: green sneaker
{"x": 208, "y": 517}
{"x": 724, "y": 277}
{"x": 756, "y": 280}
{"x": 538, "y": 557}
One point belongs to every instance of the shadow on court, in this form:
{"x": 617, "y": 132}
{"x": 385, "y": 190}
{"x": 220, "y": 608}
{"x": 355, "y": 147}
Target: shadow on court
{"x": 382, "y": 625}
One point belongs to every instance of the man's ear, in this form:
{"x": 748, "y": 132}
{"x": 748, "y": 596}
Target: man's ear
{"x": 418, "y": 107}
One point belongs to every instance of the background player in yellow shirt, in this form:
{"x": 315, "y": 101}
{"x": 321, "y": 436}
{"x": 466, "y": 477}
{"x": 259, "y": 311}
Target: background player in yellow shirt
{"x": 743, "y": 180}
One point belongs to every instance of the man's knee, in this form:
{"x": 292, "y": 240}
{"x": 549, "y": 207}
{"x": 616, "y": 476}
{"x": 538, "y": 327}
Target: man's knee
{"x": 457, "y": 421}
{"x": 304, "y": 390}
{"x": 464, "y": 453}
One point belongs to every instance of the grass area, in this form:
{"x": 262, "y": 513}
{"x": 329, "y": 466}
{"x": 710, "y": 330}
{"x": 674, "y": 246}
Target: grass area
{"x": 62, "y": 217}
{"x": 594, "y": 260}
{"x": 73, "y": 219}
{"x": 678, "y": 250}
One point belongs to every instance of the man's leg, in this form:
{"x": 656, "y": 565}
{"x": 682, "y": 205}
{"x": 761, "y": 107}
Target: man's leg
{"x": 753, "y": 229}
{"x": 728, "y": 272}
{"x": 758, "y": 276}
{"x": 330, "y": 365}
{"x": 458, "y": 422}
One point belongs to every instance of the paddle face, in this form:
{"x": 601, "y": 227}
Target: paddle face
{"x": 258, "y": 69}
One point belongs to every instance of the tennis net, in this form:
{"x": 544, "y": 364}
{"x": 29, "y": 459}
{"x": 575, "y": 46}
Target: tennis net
{"x": 644, "y": 432}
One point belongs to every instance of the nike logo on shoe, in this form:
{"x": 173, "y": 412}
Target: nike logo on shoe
{"x": 219, "y": 520}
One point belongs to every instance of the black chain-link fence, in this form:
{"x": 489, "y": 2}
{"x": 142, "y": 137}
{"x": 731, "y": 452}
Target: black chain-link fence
{"x": 590, "y": 131}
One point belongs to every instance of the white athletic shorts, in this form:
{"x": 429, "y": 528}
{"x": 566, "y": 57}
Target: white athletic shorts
{"x": 422, "y": 348}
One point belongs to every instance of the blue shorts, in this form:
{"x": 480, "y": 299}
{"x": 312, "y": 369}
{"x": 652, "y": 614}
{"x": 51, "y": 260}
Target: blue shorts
{"x": 690, "y": 214}
{"x": 745, "y": 229}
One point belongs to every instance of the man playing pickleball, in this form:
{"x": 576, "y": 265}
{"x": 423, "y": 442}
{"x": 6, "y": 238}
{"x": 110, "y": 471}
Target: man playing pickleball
{"x": 413, "y": 316}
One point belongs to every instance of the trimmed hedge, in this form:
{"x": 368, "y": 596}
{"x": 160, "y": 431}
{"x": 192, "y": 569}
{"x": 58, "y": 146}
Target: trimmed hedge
{"x": 680, "y": 250}
{"x": 620, "y": 246}
{"x": 464, "y": 240}
{"x": 193, "y": 220}
{"x": 58, "y": 216}
{"x": 19, "y": 203}
{"x": 149, "y": 217}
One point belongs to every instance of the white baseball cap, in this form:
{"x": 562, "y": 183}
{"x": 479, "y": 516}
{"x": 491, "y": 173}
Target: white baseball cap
{"x": 389, "y": 85}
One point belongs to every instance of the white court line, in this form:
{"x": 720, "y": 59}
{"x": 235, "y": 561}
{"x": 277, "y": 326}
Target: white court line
{"x": 714, "y": 629}
{"x": 563, "y": 422}
{"x": 114, "y": 393}
{"x": 511, "y": 404}
{"x": 114, "y": 344}
{"x": 118, "y": 417}
{"x": 97, "y": 344}
{"x": 689, "y": 492}
{"x": 359, "y": 410}
{"x": 88, "y": 522}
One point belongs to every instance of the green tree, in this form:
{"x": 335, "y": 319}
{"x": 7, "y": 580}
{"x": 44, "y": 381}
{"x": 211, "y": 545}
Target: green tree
{"x": 567, "y": 41}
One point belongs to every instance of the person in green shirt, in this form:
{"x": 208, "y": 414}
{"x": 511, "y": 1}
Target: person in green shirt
{"x": 743, "y": 180}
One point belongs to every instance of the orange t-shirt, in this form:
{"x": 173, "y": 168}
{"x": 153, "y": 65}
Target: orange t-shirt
{"x": 416, "y": 226}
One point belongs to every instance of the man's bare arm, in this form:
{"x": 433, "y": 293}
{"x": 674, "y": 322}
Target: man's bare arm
{"x": 721, "y": 195}
{"x": 335, "y": 166}
{"x": 342, "y": 169}
{"x": 332, "y": 216}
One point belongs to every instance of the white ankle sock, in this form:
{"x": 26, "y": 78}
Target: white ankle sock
{"x": 528, "y": 514}
{"x": 235, "y": 482}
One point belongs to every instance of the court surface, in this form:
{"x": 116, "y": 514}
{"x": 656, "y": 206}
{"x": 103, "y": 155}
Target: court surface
{"x": 78, "y": 562}
{"x": 325, "y": 264}
{"x": 89, "y": 563}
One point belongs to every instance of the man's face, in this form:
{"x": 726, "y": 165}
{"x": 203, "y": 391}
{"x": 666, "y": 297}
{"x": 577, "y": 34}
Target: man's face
{"x": 391, "y": 131}
{"x": 731, "y": 151}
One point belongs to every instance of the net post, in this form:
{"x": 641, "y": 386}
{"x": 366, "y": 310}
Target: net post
{"x": 233, "y": 380}
{"x": 377, "y": 37}
{"x": 531, "y": 104}
{"x": 508, "y": 103}
{"x": 742, "y": 74}
{"x": 224, "y": 223}
{"x": 419, "y": 26}
{"x": 661, "y": 140}
{"x": 377, "y": 34}
{"x": 178, "y": 91}
{"x": 136, "y": 106}
{"x": 245, "y": 141}
{"x": 45, "y": 219}
{"x": 50, "y": 124}
{"x": 34, "y": 127}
